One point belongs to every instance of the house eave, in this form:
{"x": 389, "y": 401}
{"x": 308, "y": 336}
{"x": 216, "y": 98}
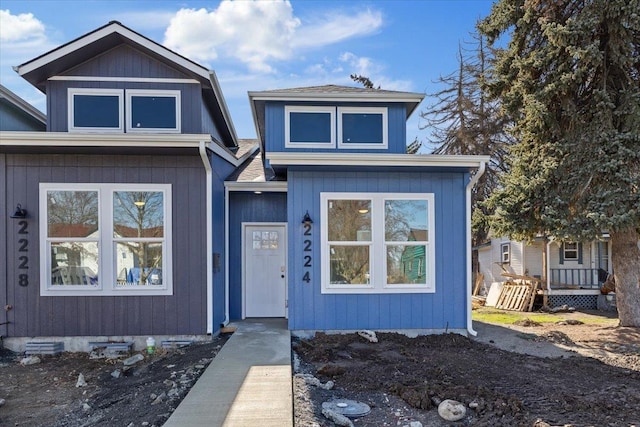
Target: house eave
{"x": 67, "y": 139}
{"x": 378, "y": 160}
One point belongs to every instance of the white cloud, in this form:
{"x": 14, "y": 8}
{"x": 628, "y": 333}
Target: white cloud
{"x": 20, "y": 28}
{"x": 260, "y": 33}
{"x": 252, "y": 32}
{"x": 334, "y": 27}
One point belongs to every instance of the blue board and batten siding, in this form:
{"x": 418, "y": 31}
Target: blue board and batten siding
{"x": 220, "y": 170}
{"x": 248, "y": 207}
{"x": 309, "y": 309}
{"x": 183, "y": 313}
{"x": 274, "y": 124}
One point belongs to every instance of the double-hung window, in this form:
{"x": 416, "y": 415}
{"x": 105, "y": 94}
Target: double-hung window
{"x": 570, "y": 251}
{"x": 105, "y": 239}
{"x": 377, "y": 243}
{"x": 95, "y": 110}
{"x": 505, "y": 253}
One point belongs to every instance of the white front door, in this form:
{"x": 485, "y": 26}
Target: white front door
{"x": 265, "y": 289}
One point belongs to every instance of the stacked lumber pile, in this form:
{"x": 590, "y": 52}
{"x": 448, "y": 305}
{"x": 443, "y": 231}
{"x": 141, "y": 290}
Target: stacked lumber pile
{"x": 518, "y": 294}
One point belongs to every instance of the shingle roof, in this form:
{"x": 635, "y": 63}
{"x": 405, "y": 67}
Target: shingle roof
{"x": 336, "y": 89}
{"x": 252, "y": 170}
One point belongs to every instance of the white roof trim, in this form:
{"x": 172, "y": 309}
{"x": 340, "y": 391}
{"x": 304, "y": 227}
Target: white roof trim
{"x": 333, "y": 97}
{"x": 121, "y": 79}
{"x": 378, "y": 160}
{"x": 68, "y": 139}
{"x": 223, "y": 104}
{"x": 23, "y": 105}
{"x": 267, "y": 186}
{"x": 113, "y": 27}
{"x": 64, "y": 139}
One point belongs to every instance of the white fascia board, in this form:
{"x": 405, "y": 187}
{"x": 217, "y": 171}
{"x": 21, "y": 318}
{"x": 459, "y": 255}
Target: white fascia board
{"x": 223, "y": 105}
{"x": 378, "y": 160}
{"x": 67, "y": 139}
{"x": 336, "y": 97}
{"x": 268, "y": 186}
{"x": 229, "y": 156}
{"x": 114, "y": 27}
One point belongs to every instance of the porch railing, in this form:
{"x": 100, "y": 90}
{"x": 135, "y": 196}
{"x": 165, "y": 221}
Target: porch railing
{"x": 577, "y": 278}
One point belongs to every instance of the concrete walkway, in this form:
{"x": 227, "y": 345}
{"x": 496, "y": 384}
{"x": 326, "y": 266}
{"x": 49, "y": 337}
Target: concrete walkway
{"x": 247, "y": 384}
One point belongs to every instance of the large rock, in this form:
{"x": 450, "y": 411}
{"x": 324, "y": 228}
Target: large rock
{"x": 451, "y": 410}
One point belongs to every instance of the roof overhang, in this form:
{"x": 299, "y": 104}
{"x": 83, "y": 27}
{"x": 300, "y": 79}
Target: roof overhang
{"x": 268, "y": 186}
{"x": 26, "y": 140}
{"x": 376, "y": 160}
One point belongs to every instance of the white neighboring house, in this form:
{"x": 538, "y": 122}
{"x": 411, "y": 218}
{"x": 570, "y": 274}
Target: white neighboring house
{"x": 571, "y": 272}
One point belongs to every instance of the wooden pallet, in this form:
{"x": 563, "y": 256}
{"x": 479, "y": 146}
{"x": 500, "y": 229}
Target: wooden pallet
{"x": 517, "y": 296}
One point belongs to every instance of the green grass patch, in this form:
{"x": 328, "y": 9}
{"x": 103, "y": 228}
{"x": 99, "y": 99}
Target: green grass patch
{"x": 504, "y": 317}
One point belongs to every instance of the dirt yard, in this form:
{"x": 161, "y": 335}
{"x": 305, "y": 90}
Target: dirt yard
{"x": 401, "y": 379}
{"x": 46, "y": 393}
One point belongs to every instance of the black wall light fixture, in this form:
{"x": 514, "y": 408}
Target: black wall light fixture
{"x": 307, "y": 219}
{"x": 19, "y": 213}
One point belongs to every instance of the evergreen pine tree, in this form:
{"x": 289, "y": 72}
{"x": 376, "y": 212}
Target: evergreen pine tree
{"x": 570, "y": 76}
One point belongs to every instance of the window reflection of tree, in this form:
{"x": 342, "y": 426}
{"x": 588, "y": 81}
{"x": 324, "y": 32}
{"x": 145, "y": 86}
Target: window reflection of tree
{"x": 140, "y": 214}
{"x": 350, "y": 221}
{"x": 72, "y": 214}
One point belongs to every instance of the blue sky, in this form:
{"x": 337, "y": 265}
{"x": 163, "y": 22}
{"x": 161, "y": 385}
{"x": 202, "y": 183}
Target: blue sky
{"x": 263, "y": 45}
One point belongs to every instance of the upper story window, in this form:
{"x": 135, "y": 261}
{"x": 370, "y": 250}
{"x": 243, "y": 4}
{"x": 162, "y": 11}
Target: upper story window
{"x": 96, "y": 110}
{"x": 153, "y": 111}
{"x": 362, "y": 127}
{"x": 309, "y": 127}
{"x": 328, "y": 127}
{"x": 104, "y": 110}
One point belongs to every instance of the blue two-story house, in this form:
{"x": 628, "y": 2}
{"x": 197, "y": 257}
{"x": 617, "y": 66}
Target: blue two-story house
{"x": 139, "y": 212}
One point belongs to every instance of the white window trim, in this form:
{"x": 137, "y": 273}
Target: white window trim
{"x": 378, "y": 270}
{"x": 150, "y": 93}
{"x": 576, "y": 250}
{"x": 288, "y": 109}
{"x": 107, "y": 271}
{"x": 507, "y": 252}
{"x": 94, "y": 92}
{"x": 374, "y": 110}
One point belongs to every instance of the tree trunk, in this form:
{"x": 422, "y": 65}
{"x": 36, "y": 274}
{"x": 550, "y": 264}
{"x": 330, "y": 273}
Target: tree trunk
{"x": 625, "y": 255}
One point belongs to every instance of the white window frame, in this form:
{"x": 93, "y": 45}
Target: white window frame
{"x": 565, "y": 250}
{"x": 288, "y": 109}
{"x": 377, "y": 246}
{"x": 107, "y": 271}
{"x": 151, "y": 93}
{"x": 505, "y": 253}
{"x": 71, "y": 92}
{"x": 372, "y": 110}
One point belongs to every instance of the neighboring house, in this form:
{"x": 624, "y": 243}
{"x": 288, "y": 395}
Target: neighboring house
{"x": 571, "y": 272}
{"x": 143, "y": 213}
{"x": 16, "y": 114}
{"x": 124, "y": 196}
